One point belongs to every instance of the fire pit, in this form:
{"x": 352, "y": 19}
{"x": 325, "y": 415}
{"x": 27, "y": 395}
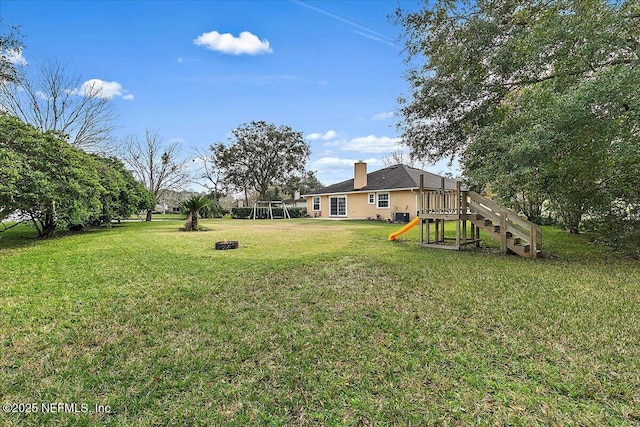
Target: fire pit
{"x": 231, "y": 244}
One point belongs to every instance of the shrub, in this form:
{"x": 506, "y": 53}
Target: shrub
{"x": 618, "y": 230}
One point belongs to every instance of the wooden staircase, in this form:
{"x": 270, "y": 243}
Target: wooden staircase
{"x": 514, "y": 233}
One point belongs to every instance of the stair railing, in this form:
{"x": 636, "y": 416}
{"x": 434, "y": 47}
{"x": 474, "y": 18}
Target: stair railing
{"x": 507, "y": 219}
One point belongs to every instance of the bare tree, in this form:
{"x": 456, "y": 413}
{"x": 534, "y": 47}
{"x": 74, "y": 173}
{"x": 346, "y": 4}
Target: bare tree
{"x": 156, "y": 165}
{"x": 398, "y": 157}
{"x": 52, "y": 99}
{"x": 212, "y": 172}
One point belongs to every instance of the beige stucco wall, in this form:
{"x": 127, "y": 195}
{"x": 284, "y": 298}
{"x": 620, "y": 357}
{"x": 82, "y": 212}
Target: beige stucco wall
{"x": 359, "y": 208}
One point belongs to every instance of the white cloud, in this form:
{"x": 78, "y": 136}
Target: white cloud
{"x": 367, "y": 144}
{"x": 246, "y": 43}
{"x": 102, "y": 89}
{"x": 331, "y": 164}
{"x": 14, "y": 56}
{"x": 382, "y": 116}
{"x": 325, "y": 137}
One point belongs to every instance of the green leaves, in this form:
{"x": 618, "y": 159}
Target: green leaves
{"x": 540, "y": 100}
{"x": 54, "y": 183}
{"x": 261, "y": 155}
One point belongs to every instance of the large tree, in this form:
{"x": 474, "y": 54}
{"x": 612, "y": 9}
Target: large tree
{"x": 50, "y": 183}
{"x": 56, "y": 183}
{"x": 156, "y": 164}
{"x": 52, "y": 98}
{"x": 260, "y": 155}
{"x": 539, "y": 99}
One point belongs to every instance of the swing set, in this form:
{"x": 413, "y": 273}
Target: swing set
{"x": 265, "y": 210}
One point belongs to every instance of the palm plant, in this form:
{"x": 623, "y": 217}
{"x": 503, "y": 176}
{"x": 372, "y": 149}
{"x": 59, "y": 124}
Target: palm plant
{"x": 192, "y": 206}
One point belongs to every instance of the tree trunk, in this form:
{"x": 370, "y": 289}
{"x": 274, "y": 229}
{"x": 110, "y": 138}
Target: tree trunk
{"x": 47, "y": 226}
{"x": 188, "y": 224}
{"x": 148, "y": 215}
{"x": 194, "y": 221}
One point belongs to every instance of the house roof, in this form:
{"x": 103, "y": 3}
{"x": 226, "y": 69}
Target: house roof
{"x": 391, "y": 178}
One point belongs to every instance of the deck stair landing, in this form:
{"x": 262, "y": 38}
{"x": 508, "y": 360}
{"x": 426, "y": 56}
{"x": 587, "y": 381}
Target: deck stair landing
{"x": 515, "y": 233}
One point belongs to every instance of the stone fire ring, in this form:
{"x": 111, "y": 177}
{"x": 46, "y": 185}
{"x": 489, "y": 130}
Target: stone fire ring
{"x": 231, "y": 244}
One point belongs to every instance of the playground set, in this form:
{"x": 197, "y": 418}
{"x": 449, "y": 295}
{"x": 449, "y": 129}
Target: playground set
{"x": 471, "y": 212}
{"x": 265, "y": 210}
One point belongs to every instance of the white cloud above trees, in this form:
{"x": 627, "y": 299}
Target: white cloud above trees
{"x": 371, "y": 144}
{"x": 325, "y": 136}
{"x": 102, "y": 89}
{"x": 14, "y": 56}
{"x": 334, "y": 164}
{"x": 245, "y": 44}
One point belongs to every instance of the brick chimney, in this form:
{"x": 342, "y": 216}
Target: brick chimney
{"x": 359, "y": 175}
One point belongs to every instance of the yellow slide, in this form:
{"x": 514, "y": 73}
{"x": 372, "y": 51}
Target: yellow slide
{"x": 409, "y": 226}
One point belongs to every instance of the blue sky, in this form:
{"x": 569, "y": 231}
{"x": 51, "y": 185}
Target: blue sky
{"x": 195, "y": 70}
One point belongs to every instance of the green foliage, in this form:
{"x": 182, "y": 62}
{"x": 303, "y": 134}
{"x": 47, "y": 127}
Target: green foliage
{"x": 56, "y": 184}
{"x": 192, "y": 206}
{"x": 123, "y": 196}
{"x": 305, "y": 183}
{"x": 261, "y": 155}
{"x": 618, "y": 229}
{"x": 539, "y": 99}
{"x": 212, "y": 209}
{"x": 241, "y": 213}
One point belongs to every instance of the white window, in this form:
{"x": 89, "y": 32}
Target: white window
{"x": 316, "y": 204}
{"x": 338, "y": 206}
{"x": 383, "y": 200}
{"x": 372, "y": 198}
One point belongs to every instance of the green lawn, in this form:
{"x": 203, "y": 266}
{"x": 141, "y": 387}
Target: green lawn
{"x": 313, "y": 323}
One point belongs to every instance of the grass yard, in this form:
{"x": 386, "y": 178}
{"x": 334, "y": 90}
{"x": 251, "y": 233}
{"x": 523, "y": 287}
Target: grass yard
{"x": 312, "y": 323}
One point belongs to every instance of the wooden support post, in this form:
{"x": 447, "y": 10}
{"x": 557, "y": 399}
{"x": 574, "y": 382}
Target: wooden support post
{"x": 436, "y": 229}
{"x": 477, "y": 233}
{"x": 464, "y": 231}
{"x": 422, "y": 195}
{"x": 458, "y": 209}
{"x": 503, "y": 232}
{"x": 428, "y": 232}
{"x": 443, "y": 202}
{"x": 533, "y": 244}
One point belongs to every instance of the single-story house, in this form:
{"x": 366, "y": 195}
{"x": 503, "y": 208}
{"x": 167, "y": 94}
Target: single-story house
{"x": 378, "y": 195}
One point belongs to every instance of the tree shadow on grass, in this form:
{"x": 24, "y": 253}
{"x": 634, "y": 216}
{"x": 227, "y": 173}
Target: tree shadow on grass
{"x": 25, "y": 235}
